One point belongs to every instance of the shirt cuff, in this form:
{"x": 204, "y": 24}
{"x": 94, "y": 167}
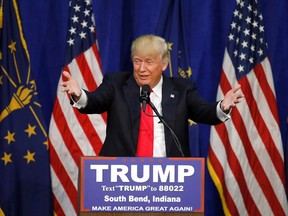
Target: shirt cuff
{"x": 82, "y": 102}
{"x": 222, "y": 115}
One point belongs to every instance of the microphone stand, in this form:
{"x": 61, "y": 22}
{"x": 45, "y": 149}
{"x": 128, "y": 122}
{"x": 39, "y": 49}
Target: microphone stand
{"x": 162, "y": 120}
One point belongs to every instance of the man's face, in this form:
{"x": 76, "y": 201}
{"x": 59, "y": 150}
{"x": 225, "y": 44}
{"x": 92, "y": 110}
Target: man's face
{"x": 148, "y": 69}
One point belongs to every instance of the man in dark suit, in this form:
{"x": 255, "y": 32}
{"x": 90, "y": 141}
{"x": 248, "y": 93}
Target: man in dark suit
{"x": 176, "y": 99}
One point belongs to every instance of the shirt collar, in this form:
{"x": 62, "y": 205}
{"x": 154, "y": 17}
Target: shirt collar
{"x": 157, "y": 90}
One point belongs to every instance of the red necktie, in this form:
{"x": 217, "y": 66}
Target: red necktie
{"x": 146, "y": 135}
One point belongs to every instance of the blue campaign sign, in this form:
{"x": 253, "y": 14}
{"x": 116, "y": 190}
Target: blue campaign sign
{"x": 134, "y": 184}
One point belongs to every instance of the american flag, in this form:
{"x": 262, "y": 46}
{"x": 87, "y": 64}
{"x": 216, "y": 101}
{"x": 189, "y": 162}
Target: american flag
{"x": 71, "y": 134}
{"x": 246, "y": 159}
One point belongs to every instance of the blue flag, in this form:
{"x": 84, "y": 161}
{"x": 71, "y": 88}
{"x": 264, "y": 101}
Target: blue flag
{"x": 24, "y": 166}
{"x": 171, "y": 26}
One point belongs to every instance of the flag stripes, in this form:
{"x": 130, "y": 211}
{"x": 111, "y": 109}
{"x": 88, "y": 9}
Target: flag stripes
{"x": 249, "y": 165}
{"x": 218, "y": 179}
{"x": 63, "y": 195}
{"x": 72, "y": 134}
{"x": 263, "y": 82}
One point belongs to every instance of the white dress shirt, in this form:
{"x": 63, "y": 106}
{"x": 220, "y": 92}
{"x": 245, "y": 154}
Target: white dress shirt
{"x": 159, "y": 148}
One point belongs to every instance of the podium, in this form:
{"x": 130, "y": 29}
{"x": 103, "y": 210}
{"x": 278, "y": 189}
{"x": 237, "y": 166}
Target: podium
{"x": 116, "y": 186}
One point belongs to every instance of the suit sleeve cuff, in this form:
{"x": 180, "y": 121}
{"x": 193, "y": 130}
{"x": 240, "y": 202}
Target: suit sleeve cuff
{"x": 222, "y": 115}
{"x": 82, "y": 102}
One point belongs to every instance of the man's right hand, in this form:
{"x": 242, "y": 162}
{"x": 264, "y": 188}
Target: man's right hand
{"x": 71, "y": 86}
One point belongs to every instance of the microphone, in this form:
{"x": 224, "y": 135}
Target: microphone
{"x": 144, "y": 96}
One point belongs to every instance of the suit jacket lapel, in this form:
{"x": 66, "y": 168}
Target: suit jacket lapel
{"x": 169, "y": 105}
{"x": 131, "y": 95}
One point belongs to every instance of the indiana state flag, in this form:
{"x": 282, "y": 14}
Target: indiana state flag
{"x": 171, "y": 26}
{"x": 24, "y": 159}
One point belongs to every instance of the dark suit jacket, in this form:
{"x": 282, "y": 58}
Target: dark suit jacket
{"x": 119, "y": 96}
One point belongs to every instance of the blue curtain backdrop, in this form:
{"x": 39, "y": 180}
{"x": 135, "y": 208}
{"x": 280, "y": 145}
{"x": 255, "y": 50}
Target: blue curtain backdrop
{"x": 118, "y": 22}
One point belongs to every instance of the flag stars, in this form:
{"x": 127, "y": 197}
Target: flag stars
{"x": 6, "y": 158}
{"x": 260, "y": 52}
{"x": 70, "y": 42}
{"x": 12, "y": 46}
{"x": 82, "y": 35}
{"x": 81, "y": 25}
{"x": 10, "y": 137}
{"x": 236, "y": 13}
{"x": 75, "y": 19}
{"x": 169, "y": 46}
{"x": 240, "y": 16}
{"x": 237, "y": 41}
{"x": 92, "y": 28}
{"x": 72, "y": 30}
{"x": 246, "y": 37}
{"x": 255, "y": 12}
{"x": 46, "y": 144}
{"x": 242, "y": 56}
{"x": 233, "y": 25}
{"x": 255, "y": 24}
{"x": 88, "y": 2}
{"x": 84, "y": 24}
{"x": 241, "y": 4}
{"x": 261, "y": 40}
{"x": 29, "y": 156}
{"x": 261, "y": 17}
{"x": 248, "y": 20}
{"x": 247, "y": 32}
{"x": 240, "y": 68}
{"x": 77, "y": 8}
{"x": 244, "y": 44}
{"x": 191, "y": 122}
{"x": 239, "y": 28}
{"x": 30, "y": 130}
{"x": 86, "y": 12}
